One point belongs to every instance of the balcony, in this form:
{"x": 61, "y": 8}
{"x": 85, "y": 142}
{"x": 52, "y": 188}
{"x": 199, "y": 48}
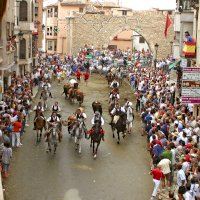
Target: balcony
{"x": 26, "y": 26}
{"x": 187, "y": 5}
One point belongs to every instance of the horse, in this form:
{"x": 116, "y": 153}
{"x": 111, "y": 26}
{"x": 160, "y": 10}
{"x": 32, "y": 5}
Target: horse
{"x": 96, "y": 136}
{"x": 79, "y": 97}
{"x": 119, "y": 124}
{"x": 72, "y": 94}
{"x": 44, "y": 97}
{"x": 66, "y": 88}
{"x": 79, "y": 131}
{"x": 96, "y": 106}
{"x": 52, "y": 138}
{"x": 40, "y": 124}
{"x": 70, "y": 124}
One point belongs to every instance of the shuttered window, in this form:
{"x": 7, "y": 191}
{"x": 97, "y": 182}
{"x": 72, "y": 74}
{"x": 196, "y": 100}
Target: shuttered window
{"x": 23, "y": 11}
{"x": 22, "y": 48}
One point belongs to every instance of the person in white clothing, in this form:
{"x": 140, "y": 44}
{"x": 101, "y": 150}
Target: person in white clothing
{"x": 130, "y": 116}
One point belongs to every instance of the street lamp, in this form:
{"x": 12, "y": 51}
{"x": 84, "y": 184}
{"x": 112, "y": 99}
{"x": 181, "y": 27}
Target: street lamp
{"x": 156, "y": 52}
{"x": 171, "y": 45}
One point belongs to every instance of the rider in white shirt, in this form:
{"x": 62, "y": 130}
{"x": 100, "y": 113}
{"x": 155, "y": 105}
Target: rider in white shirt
{"x": 97, "y": 117}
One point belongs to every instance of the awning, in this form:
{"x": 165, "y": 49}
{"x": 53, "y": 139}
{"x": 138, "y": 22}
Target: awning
{"x": 171, "y": 66}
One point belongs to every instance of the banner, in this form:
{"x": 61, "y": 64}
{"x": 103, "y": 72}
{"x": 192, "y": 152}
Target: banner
{"x": 191, "y": 85}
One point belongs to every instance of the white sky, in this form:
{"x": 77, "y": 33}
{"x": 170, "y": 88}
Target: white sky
{"x": 137, "y": 4}
{"x": 149, "y": 4}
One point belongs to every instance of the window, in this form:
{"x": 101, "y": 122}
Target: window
{"x": 8, "y": 31}
{"x": 56, "y": 12}
{"x": 81, "y": 10}
{"x": 36, "y": 11}
{"x": 50, "y": 12}
{"x": 23, "y": 11}
{"x": 124, "y": 12}
{"x": 50, "y": 30}
{"x": 141, "y": 40}
{"x": 22, "y": 49}
{"x": 55, "y": 30}
{"x": 47, "y": 30}
{"x": 55, "y": 45}
{"x": 49, "y": 45}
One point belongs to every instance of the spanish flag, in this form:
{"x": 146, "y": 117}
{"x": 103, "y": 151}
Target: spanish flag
{"x": 189, "y": 49}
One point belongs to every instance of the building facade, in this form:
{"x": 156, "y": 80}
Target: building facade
{"x": 58, "y": 21}
{"x": 7, "y": 49}
{"x": 185, "y": 20}
{"x": 25, "y": 32}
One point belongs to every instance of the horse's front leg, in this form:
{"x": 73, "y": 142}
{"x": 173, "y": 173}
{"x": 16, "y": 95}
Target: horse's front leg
{"x": 91, "y": 142}
{"x": 93, "y": 147}
{"x": 118, "y": 135}
{"x": 37, "y": 140}
{"x": 40, "y": 135}
{"x": 79, "y": 145}
{"x": 97, "y": 148}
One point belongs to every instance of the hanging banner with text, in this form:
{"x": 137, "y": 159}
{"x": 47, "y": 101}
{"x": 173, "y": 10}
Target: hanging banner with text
{"x": 191, "y": 85}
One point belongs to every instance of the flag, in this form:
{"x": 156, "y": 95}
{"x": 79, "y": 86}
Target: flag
{"x": 167, "y": 25}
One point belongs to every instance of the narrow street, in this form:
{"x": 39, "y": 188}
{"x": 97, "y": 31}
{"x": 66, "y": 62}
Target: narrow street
{"x": 120, "y": 172}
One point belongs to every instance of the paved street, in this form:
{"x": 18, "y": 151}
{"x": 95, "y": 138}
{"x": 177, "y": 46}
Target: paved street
{"x": 119, "y": 173}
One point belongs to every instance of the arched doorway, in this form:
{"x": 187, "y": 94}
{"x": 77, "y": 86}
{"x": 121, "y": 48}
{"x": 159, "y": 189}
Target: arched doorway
{"x": 22, "y": 49}
{"x": 23, "y": 11}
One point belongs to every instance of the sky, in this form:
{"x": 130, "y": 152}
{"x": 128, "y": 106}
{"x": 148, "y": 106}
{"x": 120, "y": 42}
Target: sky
{"x": 137, "y": 4}
{"x": 149, "y": 4}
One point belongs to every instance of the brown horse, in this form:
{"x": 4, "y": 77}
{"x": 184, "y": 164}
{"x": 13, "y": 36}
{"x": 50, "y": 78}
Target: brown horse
{"x": 66, "y": 88}
{"x": 79, "y": 97}
{"x": 40, "y": 124}
{"x": 72, "y": 94}
{"x": 96, "y": 106}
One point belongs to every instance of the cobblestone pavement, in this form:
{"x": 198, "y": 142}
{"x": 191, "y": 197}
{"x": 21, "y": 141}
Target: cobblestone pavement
{"x": 120, "y": 172}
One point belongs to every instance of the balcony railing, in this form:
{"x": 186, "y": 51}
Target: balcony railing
{"x": 26, "y": 26}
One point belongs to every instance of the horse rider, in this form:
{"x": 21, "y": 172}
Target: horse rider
{"x": 81, "y": 118}
{"x": 39, "y": 109}
{"x": 54, "y": 120}
{"x": 114, "y": 84}
{"x": 130, "y": 115}
{"x": 114, "y": 97}
{"x": 97, "y": 120}
{"x": 46, "y": 87}
{"x": 117, "y": 110}
{"x": 56, "y": 108}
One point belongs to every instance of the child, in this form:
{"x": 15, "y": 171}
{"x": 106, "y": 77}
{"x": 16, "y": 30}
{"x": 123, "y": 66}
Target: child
{"x": 6, "y": 157}
{"x": 86, "y": 77}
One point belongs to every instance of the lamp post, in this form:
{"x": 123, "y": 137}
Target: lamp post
{"x": 156, "y": 52}
{"x": 171, "y": 45}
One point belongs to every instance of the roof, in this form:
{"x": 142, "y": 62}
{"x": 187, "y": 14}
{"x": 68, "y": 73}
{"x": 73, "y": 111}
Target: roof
{"x": 127, "y": 9}
{"x": 72, "y": 2}
{"x": 51, "y": 5}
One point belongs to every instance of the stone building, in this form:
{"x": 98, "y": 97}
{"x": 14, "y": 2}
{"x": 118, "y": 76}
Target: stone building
{"x": 57, "y": 17}
{"x": 7, "y": 49}
{"x": 24, "y": 30}
{"x": 185, "y": 19}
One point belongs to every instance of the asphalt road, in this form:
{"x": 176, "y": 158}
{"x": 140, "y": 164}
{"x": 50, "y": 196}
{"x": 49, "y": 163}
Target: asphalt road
{"x": 120, "y": 172}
